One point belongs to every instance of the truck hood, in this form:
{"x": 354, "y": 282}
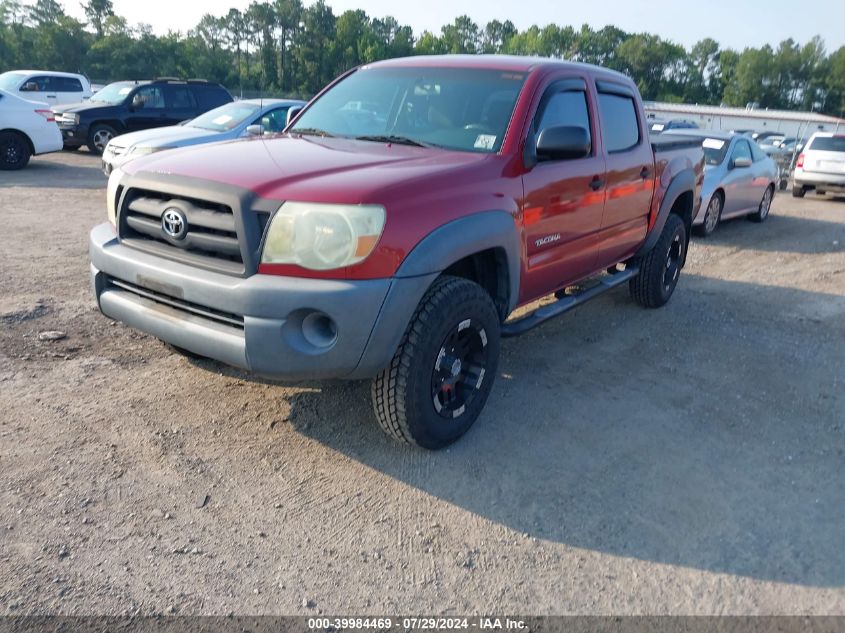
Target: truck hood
{"x": 310, "y": 168}
{"x": 170, "y": 136}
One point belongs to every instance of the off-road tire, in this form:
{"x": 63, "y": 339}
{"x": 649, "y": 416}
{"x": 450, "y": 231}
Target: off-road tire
{"x": 96, "y": 136}
{"x": 649, "y": 287}
{"x": 798, "y": 191}
{"x": 404, "y": 393}
{"x": 14, "y": 151}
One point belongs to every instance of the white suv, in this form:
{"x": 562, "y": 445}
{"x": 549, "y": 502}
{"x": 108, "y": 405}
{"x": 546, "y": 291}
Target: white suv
{"x": 26, "y": 128}
{"x": 40, "y": 85}
{"x": 821, "y": 165}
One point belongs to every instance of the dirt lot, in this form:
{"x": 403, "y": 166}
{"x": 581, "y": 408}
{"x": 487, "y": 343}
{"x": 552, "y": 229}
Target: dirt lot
{"x": 685, "y": 460}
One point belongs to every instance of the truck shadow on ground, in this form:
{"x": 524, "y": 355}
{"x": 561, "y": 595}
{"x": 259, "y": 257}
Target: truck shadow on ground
{"x": 638, "y": 434}
{"x": 780, "y": 233}
{"x": 47, "y": 171}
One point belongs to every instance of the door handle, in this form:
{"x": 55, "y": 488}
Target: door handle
{"x": 596, "y": 183}
{"x": 51, "y": 96}
{"x": 645, "y": 172}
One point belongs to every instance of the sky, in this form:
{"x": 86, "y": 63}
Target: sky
{"x": 733, "y": 23}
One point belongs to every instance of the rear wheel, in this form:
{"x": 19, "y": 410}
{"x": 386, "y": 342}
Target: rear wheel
{"x": 99, "y": 137}
{"x": 765, "y": 205}
{"x": 712, "y": 215}
{"x": 798, "y": 191}
{"x": 660, "y": 268}
{"x": 440, "y": 376}
{"x": 14, "y": 151}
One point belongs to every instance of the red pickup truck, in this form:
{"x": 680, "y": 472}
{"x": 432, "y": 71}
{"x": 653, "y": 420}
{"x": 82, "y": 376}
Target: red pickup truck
{"x": 389, "y": 233}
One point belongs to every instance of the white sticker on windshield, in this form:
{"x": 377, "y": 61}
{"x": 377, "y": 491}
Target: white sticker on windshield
{"x": 124, "y": 91}
{"x": 223, "y": 119}
{"x": 485, "y": 141}
{"x": 713, "y": 143}
{"x": 658, "y": 127}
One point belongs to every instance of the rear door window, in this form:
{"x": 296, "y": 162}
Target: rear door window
{"x": 621, "y": 127}
{"x": 67, "y": 84}
{"x": 180, "y": 98}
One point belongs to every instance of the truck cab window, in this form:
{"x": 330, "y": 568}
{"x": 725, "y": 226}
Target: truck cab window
{"x": 621, "y": 127}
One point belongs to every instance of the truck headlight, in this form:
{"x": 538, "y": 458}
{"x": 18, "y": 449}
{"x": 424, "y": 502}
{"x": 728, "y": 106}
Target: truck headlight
{"x": 322, "y": 236}
{"x": 111, "y": 195}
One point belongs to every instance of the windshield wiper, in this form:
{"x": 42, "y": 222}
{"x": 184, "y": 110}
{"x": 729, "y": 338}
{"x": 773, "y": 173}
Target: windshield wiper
{"x": 390, "y": 138}
{"x": 311, "y": 131}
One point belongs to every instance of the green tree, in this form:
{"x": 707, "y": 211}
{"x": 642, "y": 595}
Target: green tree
{"x": 97, "y": 11}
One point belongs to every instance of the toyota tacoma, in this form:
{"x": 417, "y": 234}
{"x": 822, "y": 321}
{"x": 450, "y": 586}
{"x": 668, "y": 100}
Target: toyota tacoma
{"x": 394, "y": 227}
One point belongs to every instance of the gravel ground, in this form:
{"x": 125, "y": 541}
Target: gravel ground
{"x": 688, "y": 460}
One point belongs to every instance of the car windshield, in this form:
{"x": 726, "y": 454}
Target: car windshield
{"x": 828, "y": 143}
{"x": 226, "y": 117}
{"x": 455, "y": 108}
{"x": 10, "y": 81}
{"x": 113, "y": 93}
{"x": 714, "y": 150}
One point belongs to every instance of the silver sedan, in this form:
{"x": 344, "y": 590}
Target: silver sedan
{"x": 739, "y": 179}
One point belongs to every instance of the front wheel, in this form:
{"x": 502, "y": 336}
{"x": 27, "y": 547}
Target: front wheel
{"x": 14, "y": 151}
{"x": 712, "y": 215}
{"x": 99, "y": 137}
{"x": 440, "y": 376}
{"x": 660, "y": 268}
{"x": 765, "y": 206}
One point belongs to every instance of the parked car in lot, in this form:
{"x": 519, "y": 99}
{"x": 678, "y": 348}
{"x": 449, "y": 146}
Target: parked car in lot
{"x": 129, "y": 106}
{"x": 26, "y": 128}
{"x": 659, "y": 126}
{"x": 821, "y": 165}
{"x": 229, "y": 121}
{"x": 53, "y": 88}
{"x": 739, "y": 179}
{"x": 392, "y": 241}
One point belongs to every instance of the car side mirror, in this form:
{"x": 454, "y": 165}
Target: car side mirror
{"x": 739, "y": 163}
{"x": 563, "y": 142}
{"x": 255, "y": 130}
{"x": 292, "y": 112}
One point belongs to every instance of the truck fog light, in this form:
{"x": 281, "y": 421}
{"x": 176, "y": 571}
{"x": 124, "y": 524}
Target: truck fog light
{"x": 319, "y": 330}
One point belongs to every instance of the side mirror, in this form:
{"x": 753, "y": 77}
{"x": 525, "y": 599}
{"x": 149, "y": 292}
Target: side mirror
{"x": 137, "y": 101}
{"x": 563, "y": 142}
{"x": 292, "y": 112}
{"x": 255, "y": 130}
{"x": 30, "y": 86}
{"x": 738, "y": 163}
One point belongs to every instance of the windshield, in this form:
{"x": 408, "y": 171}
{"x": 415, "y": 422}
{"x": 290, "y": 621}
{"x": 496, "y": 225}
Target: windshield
{"x": 828, "y": 143}
{"x": 226, "y": 117}
{"x": 456, "y": 108}
{"x": 714, "y": 151}
{"x": 10, "y": 81}
{"x": 113, "y": 93}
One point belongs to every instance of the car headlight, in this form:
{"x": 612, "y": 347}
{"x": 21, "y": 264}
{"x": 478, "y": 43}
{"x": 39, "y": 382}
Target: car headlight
{"x": 322, "y": 236}
{"x": 111, "y": 195}
{"x": 143, "y": 151}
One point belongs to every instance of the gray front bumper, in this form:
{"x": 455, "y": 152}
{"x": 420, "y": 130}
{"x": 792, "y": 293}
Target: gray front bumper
{"x": 201, "y": 311}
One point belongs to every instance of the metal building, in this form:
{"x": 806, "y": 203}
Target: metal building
{"x": 789, "y": 122}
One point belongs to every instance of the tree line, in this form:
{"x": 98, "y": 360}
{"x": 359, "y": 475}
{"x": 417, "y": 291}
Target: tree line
{"x": 286, "y": 48}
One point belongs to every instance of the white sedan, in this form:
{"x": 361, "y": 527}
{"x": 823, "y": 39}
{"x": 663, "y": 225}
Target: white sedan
{"x": 28, "y": 127}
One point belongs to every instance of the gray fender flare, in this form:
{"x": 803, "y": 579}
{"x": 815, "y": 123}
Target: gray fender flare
{"x": 463, "y": 237}
{"x": 432, "y": 255}
{"x": 684, "y": 181}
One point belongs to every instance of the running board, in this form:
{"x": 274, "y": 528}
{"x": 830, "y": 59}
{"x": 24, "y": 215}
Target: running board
{"x": 566, "y": 303}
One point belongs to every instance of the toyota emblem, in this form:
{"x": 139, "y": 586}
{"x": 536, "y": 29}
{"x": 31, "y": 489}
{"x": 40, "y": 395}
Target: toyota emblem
{"x": 174, "y": 223}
